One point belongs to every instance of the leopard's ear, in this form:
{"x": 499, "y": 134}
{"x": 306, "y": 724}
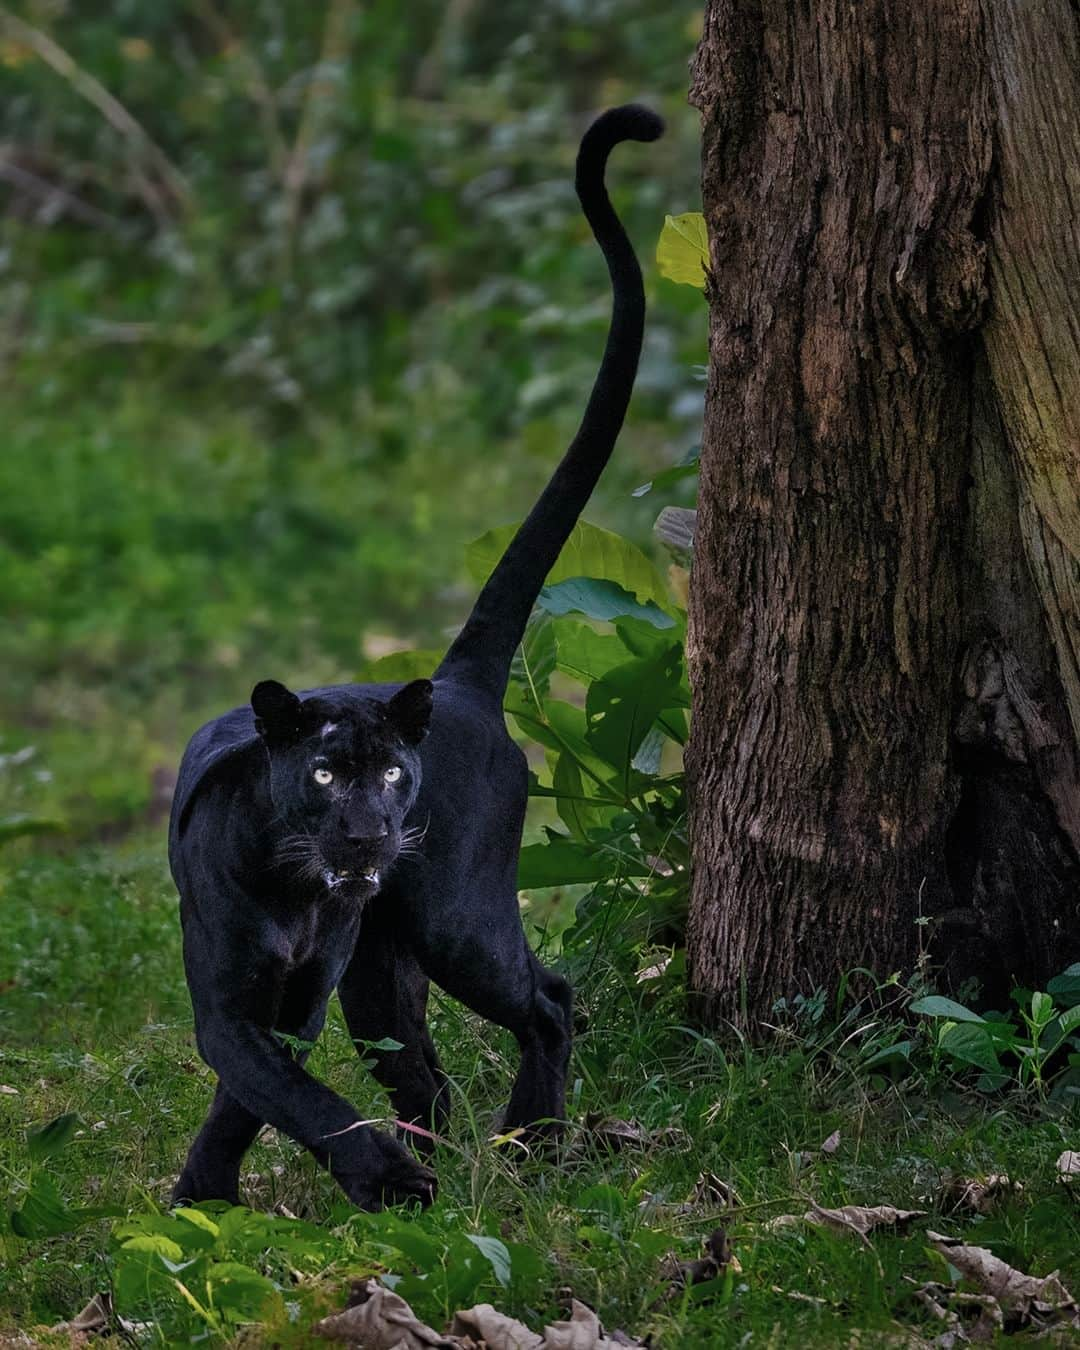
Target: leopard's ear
{"x": 277, "y": 711}
{"x": 410, "y": 711}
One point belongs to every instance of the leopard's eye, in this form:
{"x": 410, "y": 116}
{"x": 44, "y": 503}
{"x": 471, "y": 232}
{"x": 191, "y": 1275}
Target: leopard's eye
{"x": 393, "y": 773}
{"x": 323, "y": 776}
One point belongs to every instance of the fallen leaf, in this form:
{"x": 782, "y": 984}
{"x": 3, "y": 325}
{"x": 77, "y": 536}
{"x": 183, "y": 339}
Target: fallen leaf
{"x": 6, "y": 1090}
{"x": 654, "y": 972}
{"x": 1068, "y": 1165}
{"x": 978, "y": 1195}
{"x": 1044, "y": 1300}
{"x": 832, "y": 1143}
{"x": 583, "y": 1332}
{"x": 98, "y": 1318}
{"x": 379, "y": 1319}
{"x": 494, "y": 1329}
{"x": 862, "y": 1219}
{"x": 617, "y": 1133}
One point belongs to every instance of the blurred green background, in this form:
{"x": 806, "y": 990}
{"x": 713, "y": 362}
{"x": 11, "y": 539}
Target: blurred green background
{"x": 296, "y": 301}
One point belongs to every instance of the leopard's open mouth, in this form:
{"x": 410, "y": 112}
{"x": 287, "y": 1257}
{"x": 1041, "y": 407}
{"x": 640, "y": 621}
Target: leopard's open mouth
{"x": 335, "y": 880}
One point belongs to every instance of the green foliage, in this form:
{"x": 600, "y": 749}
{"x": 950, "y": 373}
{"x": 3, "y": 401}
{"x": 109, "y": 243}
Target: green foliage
{"x": 1037, "y": 1046}
{"x": 682, "y": 251}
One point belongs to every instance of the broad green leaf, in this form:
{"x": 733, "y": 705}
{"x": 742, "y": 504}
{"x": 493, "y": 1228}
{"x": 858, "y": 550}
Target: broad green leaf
{"x": 560, "y": 727}
{"x": 600, "y": 600}
{"x": 970, "y": 1044}
{"x": 936, "y": 1006}
{"x": 534, "y": 659}
{"x": 583, "y": 653}
{"x": 1042, "y": 1009}
{"x": 496, "y": 1253}
{"x": 400, "y": 667}
{"x": 48, "y": 1139}
{"x": 647, "y": 756}
{"x": 589, "y": 552}
{"x": 682, "y": 251}
{"x": 580, "y": 815}
{"x": 43, "y": 1212}
{"x": 425, "y": 1252}
{"x": 1066, "y": 986}
{"x": 198, "y": 1219}
{"x": 241, "y": 1292}
{"x": 156, "y": 1243}
{"x": 621, "y": 708}
{"x": 565, "y": 862}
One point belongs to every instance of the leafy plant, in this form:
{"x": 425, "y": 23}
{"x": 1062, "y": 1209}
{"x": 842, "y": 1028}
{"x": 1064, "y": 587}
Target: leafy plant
{"x": 600, "y": 685}
{"x": 1037, "y": 1046}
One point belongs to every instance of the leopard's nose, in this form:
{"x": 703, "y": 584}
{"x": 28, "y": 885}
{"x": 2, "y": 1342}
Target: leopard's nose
{"x": 366, "y": 838}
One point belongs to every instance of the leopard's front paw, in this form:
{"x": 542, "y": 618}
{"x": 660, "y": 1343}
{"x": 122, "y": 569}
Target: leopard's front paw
{"x": 393, "y": 1177}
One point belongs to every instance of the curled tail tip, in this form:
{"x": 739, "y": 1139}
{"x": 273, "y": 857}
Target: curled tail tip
{"x": 628, "y": 122}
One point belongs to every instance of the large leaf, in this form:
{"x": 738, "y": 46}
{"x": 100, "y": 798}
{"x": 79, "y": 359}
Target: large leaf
{"x": 936, "y": 1006}
{"x": 969, "y": 1043}
{"x": 558, "y": 726}
{"x": 565, "y": 862}
{"x": 600, "y": 600}
{"x": 534, "y": 659}
{"x": 1066, "y": 987}
{"x": 589, "y": 552}
{"x": 581, "y": 815}
{"x": 583, "y": 653}
{"x": 682, "y": 251}
{"x": 242, "y": 1293}
{"x": 45, "y": 1140}
{"x": 622, "y": 707}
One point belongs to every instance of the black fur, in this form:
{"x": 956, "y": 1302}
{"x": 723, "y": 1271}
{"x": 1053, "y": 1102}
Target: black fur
{"x": 303, "y": 868}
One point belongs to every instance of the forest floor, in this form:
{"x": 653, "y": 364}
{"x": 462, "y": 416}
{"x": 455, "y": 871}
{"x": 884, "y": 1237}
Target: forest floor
{"x": 672, "y": 1135}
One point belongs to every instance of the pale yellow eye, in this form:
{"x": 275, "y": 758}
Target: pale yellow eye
{"x": 393, "y": 773}
{"x": 323, "y": 776}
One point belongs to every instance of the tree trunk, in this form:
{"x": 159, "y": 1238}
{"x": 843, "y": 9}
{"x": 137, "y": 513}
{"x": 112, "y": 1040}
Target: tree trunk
{"x": 879, "y": 728}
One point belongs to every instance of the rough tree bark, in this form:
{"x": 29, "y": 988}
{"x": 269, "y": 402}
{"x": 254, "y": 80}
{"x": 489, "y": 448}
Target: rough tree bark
{"x": 884, "y": 595}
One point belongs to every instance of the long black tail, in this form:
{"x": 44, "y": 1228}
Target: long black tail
{"x": 483, "y": 650}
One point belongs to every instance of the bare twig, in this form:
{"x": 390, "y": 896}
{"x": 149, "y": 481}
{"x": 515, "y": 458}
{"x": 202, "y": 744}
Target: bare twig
{"x": 110, "y": 107}
{"x": 54, "y": 195}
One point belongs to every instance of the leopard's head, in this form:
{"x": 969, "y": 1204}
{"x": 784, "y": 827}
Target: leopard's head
{"x": 343, "y": 777}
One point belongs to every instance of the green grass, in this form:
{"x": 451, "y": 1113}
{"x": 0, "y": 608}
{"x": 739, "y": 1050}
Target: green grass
{"x": 95, "y": 1020}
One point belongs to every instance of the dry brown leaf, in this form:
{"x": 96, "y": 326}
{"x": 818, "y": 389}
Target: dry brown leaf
{"x": 1068, "y": 1165}
{"x": 6, "y": 1090}
{"x": 582, "y": 1332}
{"x": 617, "y": 1133}
{"x": 654, "y": 972}
{"x": 99, "y": 1317}
{"x": 862, "y": 1219}
{"x": 978, "y": 1195}
{"x": 1044, "y": 1299}
{"x": 379, "y": 1319}
{"x": 494, "y": 1329}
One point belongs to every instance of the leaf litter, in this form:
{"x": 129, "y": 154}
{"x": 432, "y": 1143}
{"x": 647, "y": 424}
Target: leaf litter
{"x": 378, "y": 1319}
